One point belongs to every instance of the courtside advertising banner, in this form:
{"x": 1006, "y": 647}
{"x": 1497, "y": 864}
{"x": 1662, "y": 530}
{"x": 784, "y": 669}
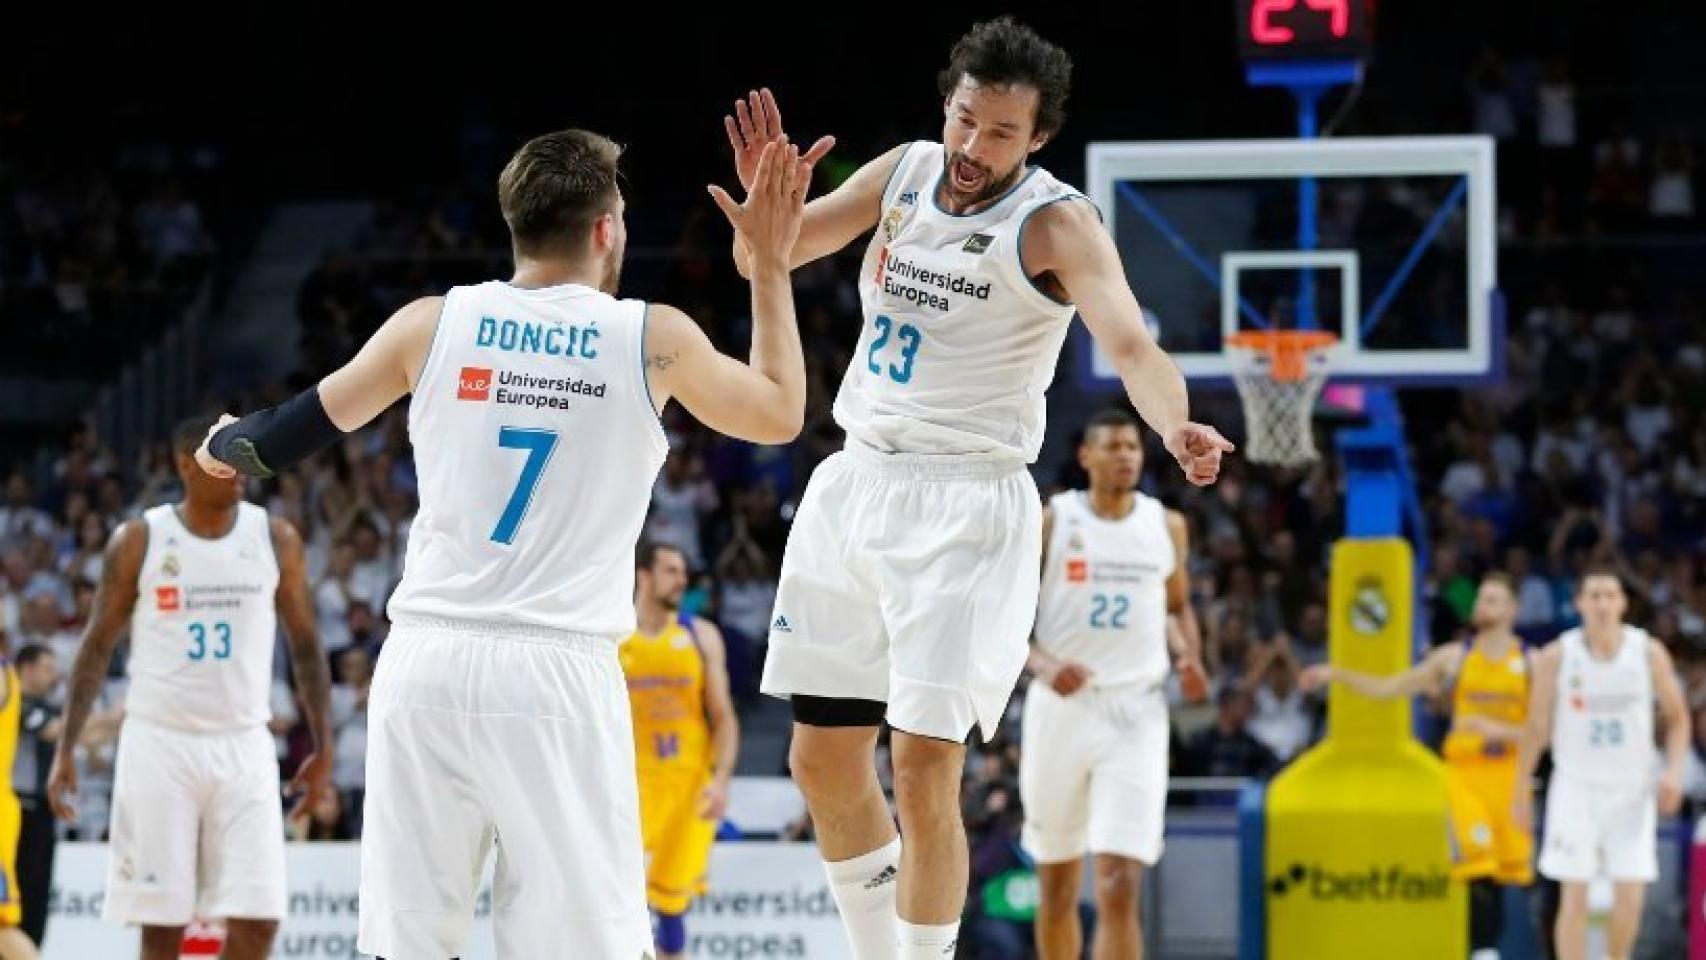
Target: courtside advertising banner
{"x": 766, "y": 900}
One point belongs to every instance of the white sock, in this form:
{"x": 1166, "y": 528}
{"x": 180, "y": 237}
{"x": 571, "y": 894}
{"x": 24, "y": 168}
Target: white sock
{"x": 923, "y": 941}
{"x": 864, "y": 889}
{"x": 1485, "y": 953}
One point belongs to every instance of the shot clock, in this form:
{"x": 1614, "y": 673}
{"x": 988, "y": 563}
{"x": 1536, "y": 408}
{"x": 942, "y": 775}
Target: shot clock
{"x": 1279, "y": 30}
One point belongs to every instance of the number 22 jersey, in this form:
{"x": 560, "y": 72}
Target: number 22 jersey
{"x": 536, "y": 447}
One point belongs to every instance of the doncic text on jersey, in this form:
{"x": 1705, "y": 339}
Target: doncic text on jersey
{"x": 553, "y": 339}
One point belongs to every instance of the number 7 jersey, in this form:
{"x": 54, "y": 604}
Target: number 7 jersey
{"x": 536, "y": 447}
{"x": 958, "y": 345}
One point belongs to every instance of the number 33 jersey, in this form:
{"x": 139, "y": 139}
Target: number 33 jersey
{"x": 536, "y": 447}
{"x": 204, "y": 625}
{"x": 958, "y": 344}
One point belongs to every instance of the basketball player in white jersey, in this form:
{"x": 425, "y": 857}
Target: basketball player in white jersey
{"x": 197, "y": 823}
{"x": 1592, "y": 705}
{"x": 910, "y": 579}
{"x": 1093, "y": 775}
{"x": 498, "y": 715}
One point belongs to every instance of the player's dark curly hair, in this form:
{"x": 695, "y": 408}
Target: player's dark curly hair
{"x": 1005, "y": 51}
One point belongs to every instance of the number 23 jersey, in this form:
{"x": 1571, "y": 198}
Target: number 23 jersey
{"x": 958, "y": 344}
{"x": 536, "y": 447}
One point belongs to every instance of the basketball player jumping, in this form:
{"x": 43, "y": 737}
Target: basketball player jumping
{"x": 1594, "y": 692}
{"x": 1487, "y": 680}
{"x": 1096, "y": 781}
{"x": 498, "y": 715}
{"x": 686, "y": 738}
{"x": 910, "y": 578}
{"x": 197, "y": 828}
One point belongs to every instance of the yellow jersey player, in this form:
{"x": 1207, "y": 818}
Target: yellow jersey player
{"x": 686, "y": 738}
{"x": 13, "y": 944}
{"x": 1487, "y": 681}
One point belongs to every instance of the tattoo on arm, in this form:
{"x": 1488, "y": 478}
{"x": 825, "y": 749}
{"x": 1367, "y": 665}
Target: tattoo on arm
{"x": 115, "y": 599}
{"x": 663, "y": 361}
{"x": 307, "y": 657}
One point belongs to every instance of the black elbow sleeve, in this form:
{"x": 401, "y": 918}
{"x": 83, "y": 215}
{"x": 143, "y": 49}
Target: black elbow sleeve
{"x": 277, "y": 438}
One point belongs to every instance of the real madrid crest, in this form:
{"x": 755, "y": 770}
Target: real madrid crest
{"x": 891, "y": 222}
{"x": 170, "y": 567}
{"x": 1370, "y": 611}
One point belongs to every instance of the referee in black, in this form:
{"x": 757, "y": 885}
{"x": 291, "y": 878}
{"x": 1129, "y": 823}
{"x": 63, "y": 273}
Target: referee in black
{"x": 38, "y": 674}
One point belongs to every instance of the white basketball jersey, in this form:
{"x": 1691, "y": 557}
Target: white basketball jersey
{"x": 202, "y": 633}
{"x": 1104, "y": 590}
{"x": 958, "y": 345}
{"x": 1602, "y": 730}
{"x": 536, "y": 446}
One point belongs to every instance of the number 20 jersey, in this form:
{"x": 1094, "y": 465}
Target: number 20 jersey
{"x": 536, "y": 447}
{"x": 958, "y": 344}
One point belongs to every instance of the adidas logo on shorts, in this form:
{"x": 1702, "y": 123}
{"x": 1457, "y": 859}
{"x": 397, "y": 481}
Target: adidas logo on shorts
{"x": 781, "y": 625}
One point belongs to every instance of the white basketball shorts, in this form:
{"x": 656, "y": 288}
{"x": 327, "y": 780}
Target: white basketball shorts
{"x": 1093, "y": 772}
{"x": 518, "y": 738}
{"x": 911, "y": 580}
{"x": 197, "y": 827}
{"x": 1596, "y": 830}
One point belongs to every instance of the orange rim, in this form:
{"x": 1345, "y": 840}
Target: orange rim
{"x": 1288, "y": 350}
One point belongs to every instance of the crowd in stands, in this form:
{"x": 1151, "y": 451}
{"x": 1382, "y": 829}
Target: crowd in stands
{"x": 99, "y": 252}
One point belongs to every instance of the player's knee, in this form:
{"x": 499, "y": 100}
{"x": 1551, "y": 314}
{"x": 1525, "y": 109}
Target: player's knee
{"x": 1058, "y": 892}
{"x": 1118, "y": 882}
{"x": 924, "y": 785}
{"x": 824, "y": 775}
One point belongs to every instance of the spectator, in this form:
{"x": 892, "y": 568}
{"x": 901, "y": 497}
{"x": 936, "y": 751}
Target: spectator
{"x": 1670, "y": 199}
{"x": 1227, "y": 749}
{"x": 374, "y": 572}
{"x": 285, "y": 717}
{"x": 349, "y": 728}
{"x": 1534, "y": 595}
{"x": 681, "y": 498}
{"x": 20, "y": 521}
{"x": 1555, "y": 126}
{"x": 332, "y": 598}
{"x": 84, "y": 561}
{"x": 1281, "y": 722}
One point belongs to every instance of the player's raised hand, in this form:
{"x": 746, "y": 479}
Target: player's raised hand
{"x": 206, "y": 460}
{"x": 1198, "y": 449}
{"x": 758, "y": 121}
{"x": 769, "y": 220}
{"x": 312, "y": 780}
{"x": 62, "y": 781}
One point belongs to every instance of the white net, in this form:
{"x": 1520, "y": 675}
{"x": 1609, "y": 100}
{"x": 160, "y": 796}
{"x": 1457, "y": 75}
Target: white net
{"x": 1277, "y": 411}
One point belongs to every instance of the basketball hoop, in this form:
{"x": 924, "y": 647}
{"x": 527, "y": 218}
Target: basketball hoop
{"x": 1279, "y": 374}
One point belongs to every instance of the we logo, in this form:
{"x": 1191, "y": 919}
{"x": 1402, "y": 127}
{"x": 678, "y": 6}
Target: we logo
{"x": 474, "y": 383}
